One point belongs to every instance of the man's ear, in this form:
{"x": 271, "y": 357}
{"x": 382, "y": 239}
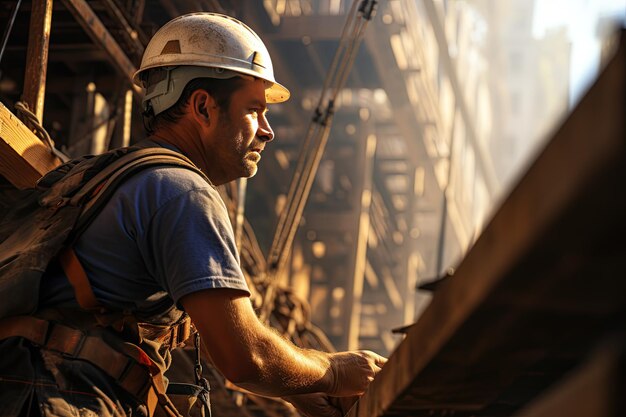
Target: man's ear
{"x": 201, "y": 104}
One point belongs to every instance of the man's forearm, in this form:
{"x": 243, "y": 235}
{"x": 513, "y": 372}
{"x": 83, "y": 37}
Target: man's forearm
{"x": 281, "y": 368}
{"x": 257, "y": 358}
{"x": 251, "y": 354}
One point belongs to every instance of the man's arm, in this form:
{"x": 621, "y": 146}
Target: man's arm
{"x": 256, "y": 358}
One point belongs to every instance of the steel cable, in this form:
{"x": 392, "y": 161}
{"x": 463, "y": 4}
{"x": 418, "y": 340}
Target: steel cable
{"x": 314, "y": 145}
{"x": 303, "y": 163}
{"x": 307, "y": 163}
{"x": 304, "y": 182}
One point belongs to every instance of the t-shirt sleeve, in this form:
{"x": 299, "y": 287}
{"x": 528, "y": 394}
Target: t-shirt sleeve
{"x": 188, "y": 245}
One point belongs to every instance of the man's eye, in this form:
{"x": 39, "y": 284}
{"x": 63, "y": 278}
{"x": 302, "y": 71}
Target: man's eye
{"x": 258, "y": 111}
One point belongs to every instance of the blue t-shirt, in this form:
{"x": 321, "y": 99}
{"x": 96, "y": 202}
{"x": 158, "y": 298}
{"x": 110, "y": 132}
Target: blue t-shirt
{"x": 165, "y": 233}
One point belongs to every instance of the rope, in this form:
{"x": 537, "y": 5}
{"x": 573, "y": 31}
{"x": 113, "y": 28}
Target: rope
{"x": 31, "y": 121}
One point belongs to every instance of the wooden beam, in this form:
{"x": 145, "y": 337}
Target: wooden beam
{"x": 133, "y": 35}
{"x": 37, "y": 56}
{"x": 138, "y": 11}
{"x": 539, "y": 288}
{"x": 101, "y": 36}
{"x": 24, "y": 158}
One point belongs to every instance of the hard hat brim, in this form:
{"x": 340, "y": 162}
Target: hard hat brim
{"x": 277, "y": 93}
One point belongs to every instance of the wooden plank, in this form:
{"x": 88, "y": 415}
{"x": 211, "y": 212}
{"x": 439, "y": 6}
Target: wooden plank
{"x": 541, "y": 284}
{"x": 24, "y": 158}
{"x": 37, "y": 56}
{"x": 101, "y": 36}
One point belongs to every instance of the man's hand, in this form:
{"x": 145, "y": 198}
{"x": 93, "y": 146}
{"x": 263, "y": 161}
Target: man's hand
{"x": 353, "y": 371}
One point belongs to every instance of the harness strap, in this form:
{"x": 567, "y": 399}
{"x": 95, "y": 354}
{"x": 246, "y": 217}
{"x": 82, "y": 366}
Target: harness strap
{"x": 78, "y": 278}
{"x": 172, "y": 336}
{"x": 132, "y": 369}
{"x": 118, "y": 168}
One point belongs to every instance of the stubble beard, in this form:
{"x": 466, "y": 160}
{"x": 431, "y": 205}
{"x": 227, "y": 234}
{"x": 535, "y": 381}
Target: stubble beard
{"x": 250, "y": 167}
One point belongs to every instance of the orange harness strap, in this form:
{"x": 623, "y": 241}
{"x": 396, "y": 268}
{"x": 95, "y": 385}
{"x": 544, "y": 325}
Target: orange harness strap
{"x": 78, "y": 278}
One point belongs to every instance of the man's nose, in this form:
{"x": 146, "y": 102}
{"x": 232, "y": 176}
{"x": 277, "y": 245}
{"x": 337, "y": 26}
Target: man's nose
{"x": 265, "y": 132}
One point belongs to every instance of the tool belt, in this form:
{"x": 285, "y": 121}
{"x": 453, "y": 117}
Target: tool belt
{"x": 131, "y": 368}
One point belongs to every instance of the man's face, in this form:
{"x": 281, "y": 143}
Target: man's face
{"x": 242, "y": 131}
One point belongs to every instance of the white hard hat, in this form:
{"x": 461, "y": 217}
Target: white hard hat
{"x": 207, "y": 45}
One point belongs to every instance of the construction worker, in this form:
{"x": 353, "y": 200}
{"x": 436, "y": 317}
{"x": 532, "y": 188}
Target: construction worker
{"x": 163, "y": 244}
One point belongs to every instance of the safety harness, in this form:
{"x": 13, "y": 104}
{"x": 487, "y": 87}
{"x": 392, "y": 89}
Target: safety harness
{"x": 132, "y": 369}
{"x": 75, "y": 195}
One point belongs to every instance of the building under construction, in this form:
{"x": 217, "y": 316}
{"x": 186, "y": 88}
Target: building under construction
{"x": 442, "y": 188}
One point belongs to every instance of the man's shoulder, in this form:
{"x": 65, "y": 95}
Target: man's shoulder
{"x": 176, "y": 177}
{"x": 153, "y": 188}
